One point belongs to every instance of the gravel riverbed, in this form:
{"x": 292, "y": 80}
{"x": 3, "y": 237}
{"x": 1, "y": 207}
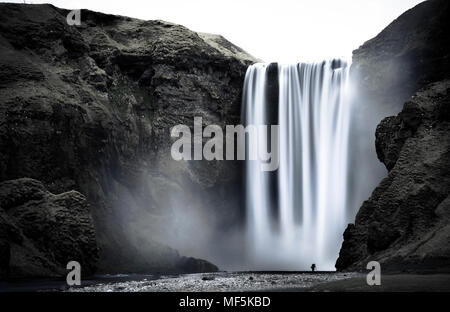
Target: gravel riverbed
{"x": 221, "y": 281}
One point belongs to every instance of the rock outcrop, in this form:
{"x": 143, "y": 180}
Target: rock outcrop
{"x": 405, "y": 224}
{"x": 41, "y": 232}
{"x": 410, "y": 53}
{"x": 90, "y": 108}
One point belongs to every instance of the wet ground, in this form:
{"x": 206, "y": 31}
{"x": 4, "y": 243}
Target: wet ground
{"x": 241, "y": 281}
{"x": 222, "y": 281}
{"x": 390, "y": 283}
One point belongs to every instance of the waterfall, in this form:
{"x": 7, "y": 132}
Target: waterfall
{"x": 296, "y": 215}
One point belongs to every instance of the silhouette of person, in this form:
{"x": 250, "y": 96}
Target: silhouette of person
{"x": 313, "y": 267}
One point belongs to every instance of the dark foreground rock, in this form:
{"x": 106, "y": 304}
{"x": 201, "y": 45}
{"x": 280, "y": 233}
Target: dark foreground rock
{"x": 192, "y": 265}
{"x": 405, "y": 224}
{"x": 90, "y": 108}
{"x": 41, "y": 232}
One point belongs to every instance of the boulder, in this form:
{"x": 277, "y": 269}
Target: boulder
{"x": 41, "y": 232}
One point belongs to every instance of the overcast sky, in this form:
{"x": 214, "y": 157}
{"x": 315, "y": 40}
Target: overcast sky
{"x": 275, "y": 30}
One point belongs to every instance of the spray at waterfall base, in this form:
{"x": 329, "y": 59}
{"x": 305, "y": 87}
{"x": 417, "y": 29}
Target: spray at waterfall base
{"x": 294, "y": 140}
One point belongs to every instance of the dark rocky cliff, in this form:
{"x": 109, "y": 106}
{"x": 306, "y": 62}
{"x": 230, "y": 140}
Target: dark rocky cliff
{"x": 405, "y": 224}
{"x": 411, "y": 52}
{"x": 89, "y": 108}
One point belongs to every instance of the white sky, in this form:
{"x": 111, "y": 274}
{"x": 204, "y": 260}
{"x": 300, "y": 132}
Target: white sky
{"x": 275, "y": 30}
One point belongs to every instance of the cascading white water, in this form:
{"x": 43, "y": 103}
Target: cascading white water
{"x": 296, "y": 215}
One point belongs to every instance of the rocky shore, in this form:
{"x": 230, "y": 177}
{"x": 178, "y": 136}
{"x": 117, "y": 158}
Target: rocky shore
{"x": 222, "y": 281}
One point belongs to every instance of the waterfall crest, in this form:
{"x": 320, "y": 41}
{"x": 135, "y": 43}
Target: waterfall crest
{"x": 297, "y": 214}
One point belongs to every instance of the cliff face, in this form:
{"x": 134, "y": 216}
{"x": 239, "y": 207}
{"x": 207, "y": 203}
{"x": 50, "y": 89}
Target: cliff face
{"x": 90, "y": 108}
{"x": 411, "y": 52}
{"x": 405, "y": 224}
